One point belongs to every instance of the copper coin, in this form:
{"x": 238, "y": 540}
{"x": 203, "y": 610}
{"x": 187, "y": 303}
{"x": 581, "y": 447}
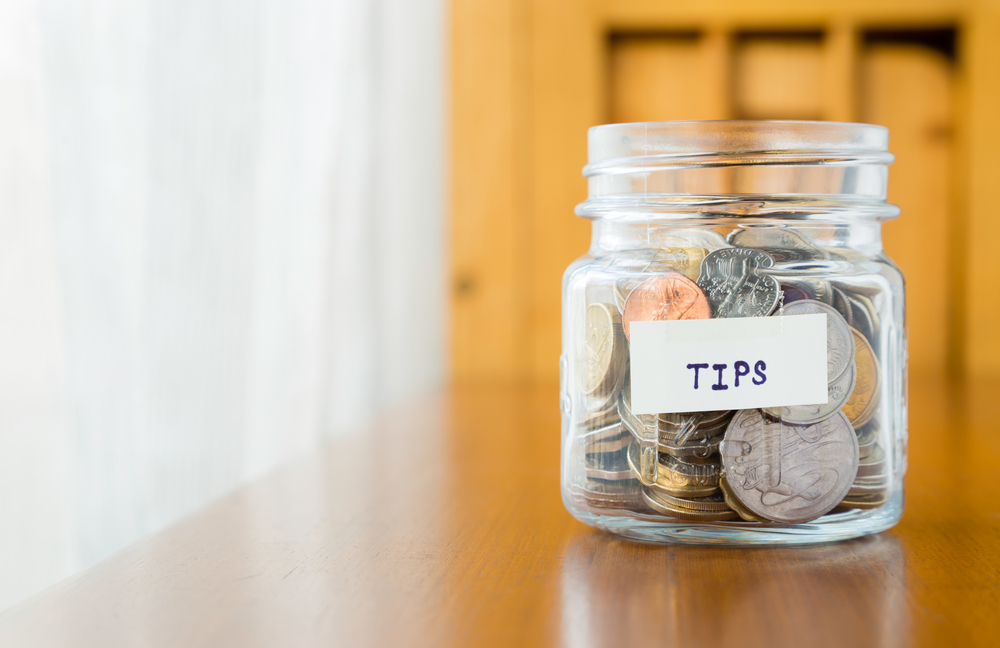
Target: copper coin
{"x": 670, "y": 296}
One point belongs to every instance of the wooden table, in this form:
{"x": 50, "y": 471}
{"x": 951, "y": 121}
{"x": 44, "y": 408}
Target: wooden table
{"x": 445, "y": 527}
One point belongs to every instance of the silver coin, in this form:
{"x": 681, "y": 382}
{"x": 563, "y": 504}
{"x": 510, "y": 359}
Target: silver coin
{"x": 785, "y": 245}
{"x": 837, "y": 394}
{"x": 789, "y": 473}
{"x": 839, "y": 339}
{"x": 603, "y": 348}
{"x": 843, "y": 305}
{"x": 863, "y": 320}
{"x": 735, "y": 285}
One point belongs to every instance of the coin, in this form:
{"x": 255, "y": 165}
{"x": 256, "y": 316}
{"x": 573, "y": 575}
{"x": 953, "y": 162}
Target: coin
{"x": 734, "y": 503}
{"x": 861, "y": 406}
{"x": 863, "y": 321}
{"x": 865, "y": 302}
{"x": 837, "y": 394}
{"x": 602, "y": 496}
{"x": 685, "y": 260}
{"x": 603, "y": 349}
{"x": 703, "y": 238}
{"x": 789, "y": 473}
{"x": 839, "y": 341}
{"x": 843, "y": 305}
{"x": 711, "y": 504}
{"x": 697, "y": 452}
{"x": 734, "y": 284}
{"x": 869, "y": 501}
{"x": 670, "y": 296}
{"x": 678, "y": 478}
{"x": 785, "y": 245}
{"x": 873, "y": 464}
{"x": 866, "y": 441}
{"x": 862, "y": 488}
{"x": 656, "y": 502}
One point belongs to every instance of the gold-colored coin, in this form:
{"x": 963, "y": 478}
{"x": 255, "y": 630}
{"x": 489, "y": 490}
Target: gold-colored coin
{"x": 861, "y": 406}
{"x": 658, "y": 503}
{"x": 677, "y": 478}
{"x": 689, "y": 261}
{"x": 865, "y": 501}
{"x": 735, "y": 504}
{"x": 711, "y": 504}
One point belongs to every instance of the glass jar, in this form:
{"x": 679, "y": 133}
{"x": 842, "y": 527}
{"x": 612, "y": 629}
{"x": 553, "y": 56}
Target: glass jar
{"x": 734, "y": 350}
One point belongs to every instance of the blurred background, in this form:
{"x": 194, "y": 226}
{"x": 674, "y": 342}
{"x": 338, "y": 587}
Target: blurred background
{"x": 530, "y": 76}
{"x": 234, "y": 229}
{"x": 221, "y": 241}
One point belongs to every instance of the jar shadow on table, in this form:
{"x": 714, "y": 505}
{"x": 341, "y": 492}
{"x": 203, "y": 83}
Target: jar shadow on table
{"x": 616, "y": 592}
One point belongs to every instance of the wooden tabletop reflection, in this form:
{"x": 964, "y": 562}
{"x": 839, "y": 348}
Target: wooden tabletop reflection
{"x": 444, "y": 526}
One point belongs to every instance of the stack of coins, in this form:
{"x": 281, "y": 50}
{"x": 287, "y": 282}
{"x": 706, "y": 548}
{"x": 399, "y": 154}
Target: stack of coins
{"x": 781, "y": 464}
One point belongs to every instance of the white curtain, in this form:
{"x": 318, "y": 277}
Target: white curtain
{"x": 221, "y": 240}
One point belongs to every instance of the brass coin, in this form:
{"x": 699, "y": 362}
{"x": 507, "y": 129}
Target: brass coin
{"x": 861, "y": 406}
{"x": 678, "y": 478}
{"x": 670, "y": 296}
{"x": 688, "y": 261}
{"x": 658, "y": 504}
{"x": 865, "y": 501}
{"x": 711, "y": 504}
{"x": 734, "y": 503}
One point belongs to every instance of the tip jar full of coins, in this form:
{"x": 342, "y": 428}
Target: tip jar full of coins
{"x": 734, "y": 362}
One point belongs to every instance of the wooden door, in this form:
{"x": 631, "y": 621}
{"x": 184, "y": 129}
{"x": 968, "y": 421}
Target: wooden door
{"x": 926, "y": 70}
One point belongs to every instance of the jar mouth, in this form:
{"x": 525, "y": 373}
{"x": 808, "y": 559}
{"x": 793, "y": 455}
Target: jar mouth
{"x": 735, "y": 140}
{"x": 649, "y": 163}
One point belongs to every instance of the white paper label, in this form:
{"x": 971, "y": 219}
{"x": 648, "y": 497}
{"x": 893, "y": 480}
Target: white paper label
{"x": 729, "y": 363}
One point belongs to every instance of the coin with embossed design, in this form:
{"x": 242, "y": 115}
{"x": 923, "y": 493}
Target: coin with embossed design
{"x": 735, "y": 285}
{"x": 670, "y": 296}
{"x": 789, "y": 473}
{"x": 675, "y": 477}
{"x": 839, "y": 341}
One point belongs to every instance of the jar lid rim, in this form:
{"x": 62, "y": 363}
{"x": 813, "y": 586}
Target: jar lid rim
{"x": 694, "y": 138}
